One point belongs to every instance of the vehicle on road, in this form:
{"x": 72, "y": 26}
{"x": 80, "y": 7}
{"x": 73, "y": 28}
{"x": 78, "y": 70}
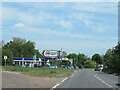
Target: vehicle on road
{"x": 97, "y": 69}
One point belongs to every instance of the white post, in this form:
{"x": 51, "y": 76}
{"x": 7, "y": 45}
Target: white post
{"x": 5, "y": 62}
{"x": 35, "y": 57}
{"x": 5, "y": 57}
{"x": 22, "y": 61}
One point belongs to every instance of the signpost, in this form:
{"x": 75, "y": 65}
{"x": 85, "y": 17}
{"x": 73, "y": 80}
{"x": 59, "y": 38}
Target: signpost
{"x": 50, "y": 53}
{"x": 5, "y": 57}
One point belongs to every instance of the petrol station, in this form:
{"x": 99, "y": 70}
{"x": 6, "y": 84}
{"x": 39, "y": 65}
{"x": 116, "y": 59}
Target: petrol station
{"x": 49, "y": 55}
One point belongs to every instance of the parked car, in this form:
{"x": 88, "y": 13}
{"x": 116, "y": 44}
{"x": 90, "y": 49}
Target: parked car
{"x": 16, "y": 65}
{"x": 29, "y": 65}
{"x": 76, "y": 67}
{"x": 53, "y": 66}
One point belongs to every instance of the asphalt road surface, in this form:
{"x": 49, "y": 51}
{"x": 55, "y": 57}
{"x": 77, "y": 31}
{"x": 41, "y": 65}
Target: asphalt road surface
{"x": 91, "y": 79}
{"x": 16, "y": 80}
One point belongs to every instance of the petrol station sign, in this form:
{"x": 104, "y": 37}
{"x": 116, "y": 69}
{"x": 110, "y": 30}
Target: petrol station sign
{"x": 50, "y": 53}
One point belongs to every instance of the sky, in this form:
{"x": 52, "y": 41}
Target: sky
{"x": 76, "y": 27}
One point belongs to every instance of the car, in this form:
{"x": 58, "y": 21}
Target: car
{"x": 76, "y": 67}
{"x": 53, "y": 66}
{"x": 97, "y": 69}
{"x": 16, "y": 65}
{"x": 29, "y": 65}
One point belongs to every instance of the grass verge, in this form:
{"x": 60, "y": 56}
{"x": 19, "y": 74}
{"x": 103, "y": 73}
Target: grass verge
{"x": 42, "y": 72}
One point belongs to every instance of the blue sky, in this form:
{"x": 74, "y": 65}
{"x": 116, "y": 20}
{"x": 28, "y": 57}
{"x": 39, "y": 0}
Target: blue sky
{"x": 85, "y": 27}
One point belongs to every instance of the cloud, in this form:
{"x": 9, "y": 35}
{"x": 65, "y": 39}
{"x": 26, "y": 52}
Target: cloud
{"x": 22, "y": 28}
{"x": 97, "y": 7}
{"x": 65, "y": 24}
{"x": 83, "y": 17}
{"x": 19, "y": 25}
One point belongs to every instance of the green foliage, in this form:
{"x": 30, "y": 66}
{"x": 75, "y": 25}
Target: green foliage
{"x": 81, "y": 59}
{"x": 66, "y": 63}
{"x": 90, "y": 64}
{"x": 112, "y": 58}
{"x": 19, "y": 48}
{"x": 64, "y": 54}
{"x": 97, "y": 58}
{"x": 8, "y": 53}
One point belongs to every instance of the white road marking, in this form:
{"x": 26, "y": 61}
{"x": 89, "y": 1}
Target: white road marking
{"x": 55, "y": 86}
{"x": 58, "y": 84}
{"x": 64, "y": 79}
{"x": 110, "y": 80}
{"x": 103, "y": 81}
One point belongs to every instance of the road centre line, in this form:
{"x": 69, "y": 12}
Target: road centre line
{"x": 102, "y": 81}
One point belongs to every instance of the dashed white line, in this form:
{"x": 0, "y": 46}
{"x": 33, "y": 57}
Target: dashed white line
{"x": 64, "y": 79}
{"x": 59, "y": 83}
{"x": 103, "y": 81}
{"x": 55, "y": 86}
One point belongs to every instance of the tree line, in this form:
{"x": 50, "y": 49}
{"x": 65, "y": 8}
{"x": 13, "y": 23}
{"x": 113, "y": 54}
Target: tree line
{"x": 19, "y": 48}
{"x": 26, "y": 49}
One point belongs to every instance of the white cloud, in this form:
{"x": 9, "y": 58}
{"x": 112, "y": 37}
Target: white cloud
{"x": 22, "y": 28}
{"x": 65, "y": 24}
{"x": 83, "y": 17}
{"x": 99, "y": 7}
{"x": 19, "y": 25}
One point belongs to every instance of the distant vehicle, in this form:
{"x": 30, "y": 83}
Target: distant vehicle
{"x": 66, "y": 67}
{"x": 16, "y": 65}
{"x": 53, "y": 66}
{"x": 71, "y": 67}
{"x": 81, "y": 67}
{"x": 76, "y": 67}
{"x": 97, "y": 69}
{"x": 29, "y": 65}
{"x": 100, "y": 66}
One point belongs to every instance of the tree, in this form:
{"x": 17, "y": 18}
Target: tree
{"x": 108, "y": 56}
{"x": 90, "y": 64}
{"x": 81, "y": 59}
{"x": 115, "y": 61}
{"x": 66, "y": 63}
{"x": 8, "y": 53}
{"x": 64, "y": 54}
{"x": 74, "y": 57}
{"x": 97, "y": 58}
{"x": 20, "y": 48}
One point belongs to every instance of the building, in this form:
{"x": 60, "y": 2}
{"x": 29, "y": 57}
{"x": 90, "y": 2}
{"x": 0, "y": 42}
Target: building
{"x": 38, "y": 61}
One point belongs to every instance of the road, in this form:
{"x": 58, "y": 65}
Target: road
{"x": 91, "y": 79}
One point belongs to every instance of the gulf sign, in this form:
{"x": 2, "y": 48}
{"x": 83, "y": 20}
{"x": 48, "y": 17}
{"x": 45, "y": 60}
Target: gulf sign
{"x": 50, "y": 53}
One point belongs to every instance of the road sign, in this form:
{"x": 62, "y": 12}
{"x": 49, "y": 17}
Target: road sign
{"x": 50, "y": 53}
{"x": 5, "y": 57}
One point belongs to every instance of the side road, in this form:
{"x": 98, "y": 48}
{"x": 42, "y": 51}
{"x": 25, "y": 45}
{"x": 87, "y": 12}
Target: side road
{"x": 17, "y": 80}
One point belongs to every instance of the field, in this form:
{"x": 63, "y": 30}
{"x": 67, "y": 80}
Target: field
{"x": 41, "y": 72}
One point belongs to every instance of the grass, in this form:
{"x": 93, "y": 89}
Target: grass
{"x": 111, "y": 72}
{"x": 42, "y": 72}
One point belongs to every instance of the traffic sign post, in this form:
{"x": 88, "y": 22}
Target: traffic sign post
{"x": 5, "y": 57}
